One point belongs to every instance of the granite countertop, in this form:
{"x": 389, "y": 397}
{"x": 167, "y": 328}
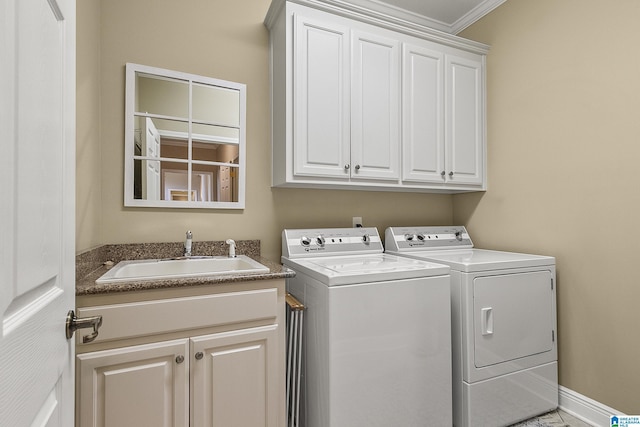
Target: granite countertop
{"x": 91, "y": 265}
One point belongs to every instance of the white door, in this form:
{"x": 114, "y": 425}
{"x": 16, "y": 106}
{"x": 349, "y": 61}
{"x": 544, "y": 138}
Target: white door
{"x": 375, "y": 107}
{"x": 321, "y": 99}
{"x": 37, "y": 212}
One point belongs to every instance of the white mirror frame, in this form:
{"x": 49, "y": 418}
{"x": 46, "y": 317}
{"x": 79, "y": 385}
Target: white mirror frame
{"x": 129, "y": 149}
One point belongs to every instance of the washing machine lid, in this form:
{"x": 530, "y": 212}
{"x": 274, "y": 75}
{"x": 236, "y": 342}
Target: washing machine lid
{"x": 474, "y": 260}
{"x": 362, "y": 269}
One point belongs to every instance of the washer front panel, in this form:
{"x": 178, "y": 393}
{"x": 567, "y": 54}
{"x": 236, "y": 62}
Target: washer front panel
{"x": 306, "y": 243}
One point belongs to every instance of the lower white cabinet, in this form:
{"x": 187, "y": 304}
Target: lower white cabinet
{"x": 234, "y": 378}
{"x": 219, "y": 367}
{"x": 145, "y": 385}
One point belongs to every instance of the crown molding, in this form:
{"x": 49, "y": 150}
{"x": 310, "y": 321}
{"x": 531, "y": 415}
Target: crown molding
{"x": 383, "y": 15}
{"x": 474, "y": 15}
{"x": 392, "y": 13}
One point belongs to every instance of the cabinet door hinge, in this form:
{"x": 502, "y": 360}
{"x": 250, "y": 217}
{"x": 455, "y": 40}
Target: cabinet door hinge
{"x": 552, "y": 284}
{"x": 553, "y": 336}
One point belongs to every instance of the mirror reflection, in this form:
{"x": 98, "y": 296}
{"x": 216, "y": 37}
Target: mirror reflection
{"x": 184, "y": 141}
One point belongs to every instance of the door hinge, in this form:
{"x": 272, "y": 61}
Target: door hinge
{"x": 552, "y": 284}
{"x": 553, "y": 336}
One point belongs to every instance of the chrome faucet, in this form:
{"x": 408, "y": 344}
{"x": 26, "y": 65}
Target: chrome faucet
{"x": 232, "y": 248}
{"x": 187, "y": 244}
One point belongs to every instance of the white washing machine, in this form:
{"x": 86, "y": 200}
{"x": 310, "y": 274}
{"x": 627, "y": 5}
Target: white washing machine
{"x": 503, "y": 307}
{"x": 377, "y": 331}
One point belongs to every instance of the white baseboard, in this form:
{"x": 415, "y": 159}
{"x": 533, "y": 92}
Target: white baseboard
{"x": 584, "y": 408}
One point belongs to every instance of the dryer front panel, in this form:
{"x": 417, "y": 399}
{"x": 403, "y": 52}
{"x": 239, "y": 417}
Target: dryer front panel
{"x": 513, "y": 317}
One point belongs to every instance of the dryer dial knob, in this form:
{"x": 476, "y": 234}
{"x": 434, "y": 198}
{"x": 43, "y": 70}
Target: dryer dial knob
{"x": 305, "y": 241}
{"x": 409, "y": 237}
{"x": 459, "y": 235}
{"x": 320, "y": 240}
{"x": 420, "y": 236}
{"x": 366, "y": 239}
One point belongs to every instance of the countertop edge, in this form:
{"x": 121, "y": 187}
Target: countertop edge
{"x": 87, "y": 285}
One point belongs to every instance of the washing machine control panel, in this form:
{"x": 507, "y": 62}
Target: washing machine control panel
{"x": 330, "y": 241}
{"x": 421, "y": 238}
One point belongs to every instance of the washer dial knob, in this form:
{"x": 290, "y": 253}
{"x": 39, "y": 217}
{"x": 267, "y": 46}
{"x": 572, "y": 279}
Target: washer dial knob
{"x": 320, "y": 240}
{"x": 305, "y": 241}
{"x": 409, "y": 237}
{"x": 366, "y": 239}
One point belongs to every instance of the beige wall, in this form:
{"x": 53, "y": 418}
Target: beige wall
{"x": 224, "y": 39}
{"x": 563, "y": 157}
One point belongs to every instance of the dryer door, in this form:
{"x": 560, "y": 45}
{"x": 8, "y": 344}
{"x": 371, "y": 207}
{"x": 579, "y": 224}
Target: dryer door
{"x": 513, "y": 316}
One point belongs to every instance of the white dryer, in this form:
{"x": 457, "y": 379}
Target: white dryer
{"x": 377, "y": 332}
{"x": 503, "y": 308}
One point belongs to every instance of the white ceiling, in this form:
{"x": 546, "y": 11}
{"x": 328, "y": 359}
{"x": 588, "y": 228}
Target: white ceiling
{"x": 451, "y": 16}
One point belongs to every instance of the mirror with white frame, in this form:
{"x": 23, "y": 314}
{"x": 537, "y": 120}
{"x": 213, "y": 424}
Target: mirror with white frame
{"x": 184, "y": 140}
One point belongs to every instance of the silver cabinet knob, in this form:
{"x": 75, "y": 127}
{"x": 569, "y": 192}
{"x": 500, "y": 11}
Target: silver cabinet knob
{"x": 443, "y": 173}
{"x": 199, "y": 355}
{"x": 451, "y": 173}
{"x": 357, "y": 167}
{"x": 179, "y": 359}
{"x": 346, "y": 167}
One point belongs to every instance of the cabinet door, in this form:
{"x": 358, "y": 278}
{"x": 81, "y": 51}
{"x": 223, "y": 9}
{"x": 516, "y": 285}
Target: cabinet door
{"x": 234, "y": 378}
{"x": 422, "y": 115}
{"x": 143, "y": 385}
{"x": 375, "y": 107}
{"x": 465, "y": 121}
{"x": 321, "y": 99}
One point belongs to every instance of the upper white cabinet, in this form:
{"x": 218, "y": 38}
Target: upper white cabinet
{"x": 377, "y": 106}
{"x": 322, "y": 131}
{"x": 464, "y": 118}
{"x": 443, "y": 118}
{"x": 423, "y": 119}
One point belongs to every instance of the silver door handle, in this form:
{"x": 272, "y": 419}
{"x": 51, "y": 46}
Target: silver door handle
{"x": 73, "y": 323}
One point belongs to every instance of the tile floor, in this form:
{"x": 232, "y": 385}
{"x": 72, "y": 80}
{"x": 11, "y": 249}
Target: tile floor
{"x": 556, "y": 418}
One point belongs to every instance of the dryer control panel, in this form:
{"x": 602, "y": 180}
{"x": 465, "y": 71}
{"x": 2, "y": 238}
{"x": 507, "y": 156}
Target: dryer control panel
{"x": 399, "y": 239}
{"x": 330, "y": 241}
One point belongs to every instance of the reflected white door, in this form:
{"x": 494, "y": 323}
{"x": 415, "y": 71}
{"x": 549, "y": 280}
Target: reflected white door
{"x": 37, "y": 221}
{"x": 151, "y": 173}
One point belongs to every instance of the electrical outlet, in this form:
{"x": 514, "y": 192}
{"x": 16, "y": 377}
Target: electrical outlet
{"x": 356, "y": 221}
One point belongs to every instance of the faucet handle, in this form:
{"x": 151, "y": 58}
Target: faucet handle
{"x": 232, "y": 248}
{"x": 187, "y": 244}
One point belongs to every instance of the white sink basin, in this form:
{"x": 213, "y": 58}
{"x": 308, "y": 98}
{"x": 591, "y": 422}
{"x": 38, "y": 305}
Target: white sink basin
{"x": 150, "y": 269}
